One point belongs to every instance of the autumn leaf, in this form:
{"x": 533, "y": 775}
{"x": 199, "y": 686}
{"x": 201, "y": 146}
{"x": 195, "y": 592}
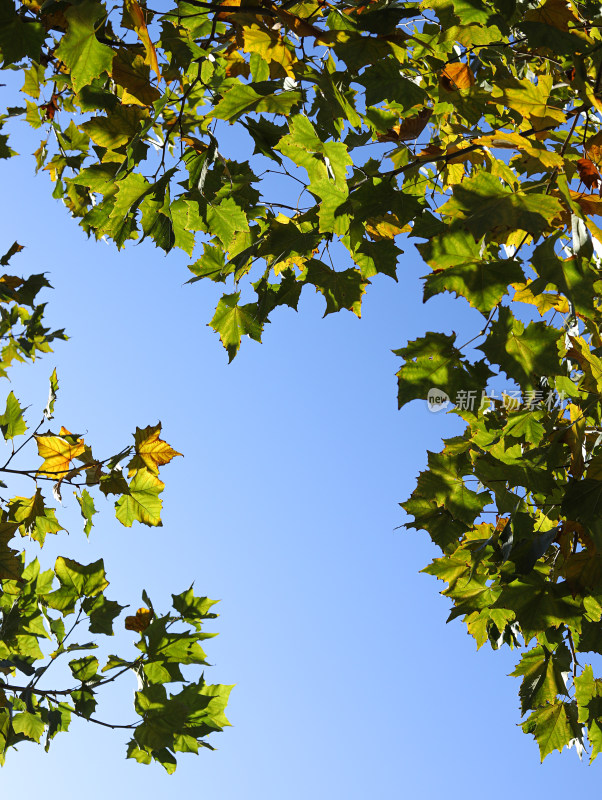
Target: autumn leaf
{"x": 409, "y": 129}
{"x": 140, "y": 621}
{"x": 151, "y": 451}
{"x": 588, "y": 174}
{"x": 51, "y": 107}
{"x": 302, "y": 27}
{"x": 593, "y": 148}
{"x": 224, "y": 15}
{"x": 138, "y": 19}
{"x": 590, "y": 204}
{"x": 58, "y": 454}
{"x": 270, "y": 47}
{"x": 456, "y": 76}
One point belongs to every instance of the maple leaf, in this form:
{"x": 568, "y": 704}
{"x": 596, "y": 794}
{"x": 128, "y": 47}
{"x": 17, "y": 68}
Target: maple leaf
{"x": 232, "y": 322}
{"x": 140, "y": 502}
{"x": 151, "y": 451}
{"x": 58, "y": 453}
{"x": 140, "y": 621}
{"x": 588, "y": 173}
{"x": 137, "y": 16}
{"x": 456, "y": 76}
{"x": 409, "y": 129}
{"x": 593, "y": 148}
{"x": 79, "y": 49}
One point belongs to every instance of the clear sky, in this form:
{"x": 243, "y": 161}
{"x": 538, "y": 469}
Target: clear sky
{"x": 349, "y": 682}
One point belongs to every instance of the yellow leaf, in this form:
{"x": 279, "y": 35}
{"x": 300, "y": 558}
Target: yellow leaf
{"x": 132, "y": 73}
{"x": 514, "y": 141}
{"x": 58, "y": 453}
{"x": 137, "y": 16}
{"x": 457, "y": 76}
{"x": 590, "y": 203}
{"x": 532, "y": 101}
{"x": 151, "y": 452}
{"x": 236, "y": 7}
{"x": 269, "y": 46}
{"x": 386, "y": 226}
{"x": 236, "y": 65}
{"x": 196, "y": 144}
{"x": 593, "y": 147}
{"x": 543, "y": 301}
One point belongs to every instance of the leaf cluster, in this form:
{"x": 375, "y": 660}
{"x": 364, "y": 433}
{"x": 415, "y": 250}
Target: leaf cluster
{"x": 51, "y": 620}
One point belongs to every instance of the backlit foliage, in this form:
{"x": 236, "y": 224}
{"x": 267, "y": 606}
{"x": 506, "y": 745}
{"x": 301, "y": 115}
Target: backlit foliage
{"x": 468, "y": 127}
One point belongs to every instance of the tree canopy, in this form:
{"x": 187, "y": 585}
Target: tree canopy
{"x": 470, "y": 128}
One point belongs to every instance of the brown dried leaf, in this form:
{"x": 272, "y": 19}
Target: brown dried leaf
{"x": 588, "y": 174}
{"x": 140, "y": 621}
{"x": 409, "y": 129}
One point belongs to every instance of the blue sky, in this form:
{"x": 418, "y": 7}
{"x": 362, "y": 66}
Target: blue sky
{"x": 285, "y": 506}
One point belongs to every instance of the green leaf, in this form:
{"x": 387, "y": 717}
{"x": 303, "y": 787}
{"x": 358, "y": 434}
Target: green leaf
{"x": 11, "y": 565}
{"x": 225, "y": 220}
{"x": 540, "y": 605}
{"x": 459, "y": 267}
{"x": 192, "y": 607}
{"x": 478, "y": 201}
{"x": 434, "y": 362}
{"x": 116, "y": 128}
{"x": 102, "y": 613}
{"x": 232, "y": 322}
{"x": 384, "y": 81}
{"x": 18, "y": 39}
{"x": 588, "y": 693}
{"x": 54, "y": 386}
{"x": 30, "y": 725}
{"x": 443, "y": 483}
{"x": 243, "y": 98}
{"x": 83, "y": 669}
{"x": 583, "y": 500}
{"x": 84, "y": 702}
{"x": 11, "y": 422}
{"x": 525, "y": 353}
{"x": 340, "y": 289}
{"x": 86, "y": 504}
{"x": 34, "y": 518}
{"x": 141, "y": 503}
{"x": 77, "y": 580}
{"x": 544, "y": 674}
{"x": 79, "y": 49}
{"x": 554, "y": 727}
